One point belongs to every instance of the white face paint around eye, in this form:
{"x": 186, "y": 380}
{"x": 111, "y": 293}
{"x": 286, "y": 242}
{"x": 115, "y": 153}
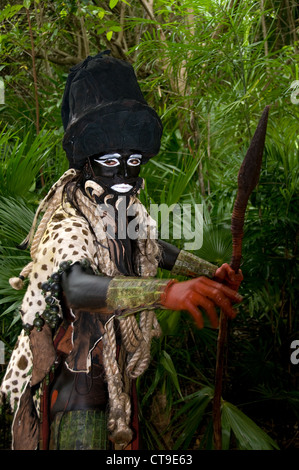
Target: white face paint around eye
{"x": 134, "y": 160}
{"x": 113, "y": 159}
{"x": 110, "y": 159}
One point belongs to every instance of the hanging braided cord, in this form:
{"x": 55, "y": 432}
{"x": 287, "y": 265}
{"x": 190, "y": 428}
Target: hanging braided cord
{"x": 137, "y": 340}
{"x": 119, "y": 401}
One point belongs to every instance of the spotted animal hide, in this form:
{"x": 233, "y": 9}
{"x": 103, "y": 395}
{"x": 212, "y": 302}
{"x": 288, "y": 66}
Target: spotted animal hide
{"x": 67, "y": 236}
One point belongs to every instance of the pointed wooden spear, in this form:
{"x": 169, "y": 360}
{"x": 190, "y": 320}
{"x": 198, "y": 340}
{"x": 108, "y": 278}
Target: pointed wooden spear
{"x": 248, "y": 178}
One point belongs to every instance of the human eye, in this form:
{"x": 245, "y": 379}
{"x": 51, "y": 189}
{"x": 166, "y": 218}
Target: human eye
{"x": 134, "y": 160}
{"x": 108, "y": 160}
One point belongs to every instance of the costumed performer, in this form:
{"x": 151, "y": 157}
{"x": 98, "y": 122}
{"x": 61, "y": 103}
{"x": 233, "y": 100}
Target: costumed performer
{"x": 89, "y": 309}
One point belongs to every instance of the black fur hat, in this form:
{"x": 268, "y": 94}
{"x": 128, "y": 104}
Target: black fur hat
{"x": 104, "y": 111}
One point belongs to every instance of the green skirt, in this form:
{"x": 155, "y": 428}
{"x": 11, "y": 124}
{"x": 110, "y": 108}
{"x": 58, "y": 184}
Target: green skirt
{"x": 79, "y": 430}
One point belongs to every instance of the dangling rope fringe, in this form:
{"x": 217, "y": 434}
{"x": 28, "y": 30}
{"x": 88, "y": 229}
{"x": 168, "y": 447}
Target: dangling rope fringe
{"x": 137, "y": 340}
{"x": 120, "y": 404}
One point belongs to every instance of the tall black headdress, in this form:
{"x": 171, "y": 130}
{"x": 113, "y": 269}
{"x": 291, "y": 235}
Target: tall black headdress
{"x": 104, "y": 111}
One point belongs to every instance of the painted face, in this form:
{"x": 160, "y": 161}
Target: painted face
{"x": 119, "y": 170}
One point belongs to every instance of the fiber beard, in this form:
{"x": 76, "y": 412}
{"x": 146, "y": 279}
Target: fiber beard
{"x": 121, "y": 247}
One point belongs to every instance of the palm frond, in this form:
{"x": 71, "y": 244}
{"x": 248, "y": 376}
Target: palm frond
{"x": 15, "y": 220}
{"x": 22, "y": 161}
{"x": 193, "y": 409}
{"x": 248, "y": 435}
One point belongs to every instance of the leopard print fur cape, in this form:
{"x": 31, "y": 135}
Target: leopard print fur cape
{"x": 62, "y": 234}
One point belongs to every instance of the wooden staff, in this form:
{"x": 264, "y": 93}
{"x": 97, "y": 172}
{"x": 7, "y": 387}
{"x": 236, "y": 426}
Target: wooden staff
{"x": 248, "y": 178}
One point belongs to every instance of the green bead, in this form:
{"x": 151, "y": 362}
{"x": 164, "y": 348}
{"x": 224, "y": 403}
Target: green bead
{"x": 38, "y": 322}
{"x": 27, "y": 327}
{"x": 55, "y": 277}
{"x": 45, "y": 286}
{"x": 47, "y": 314}
{"x": 54, "y": 309}
{"x": 55, "y": 287}
{"x": 50, "y": 300}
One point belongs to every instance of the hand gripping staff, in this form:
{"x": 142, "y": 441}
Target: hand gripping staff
{"x": 248, "y": 178}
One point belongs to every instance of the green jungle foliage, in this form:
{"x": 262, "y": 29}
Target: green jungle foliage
{"x": 209, "y": 67}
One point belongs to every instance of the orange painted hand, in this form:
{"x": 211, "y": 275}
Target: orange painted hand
{"x": 228, "y": 276}
{"x": 204, "y": 293}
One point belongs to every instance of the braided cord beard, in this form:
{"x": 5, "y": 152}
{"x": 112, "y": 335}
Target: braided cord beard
{"x": 121, "y": 247}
